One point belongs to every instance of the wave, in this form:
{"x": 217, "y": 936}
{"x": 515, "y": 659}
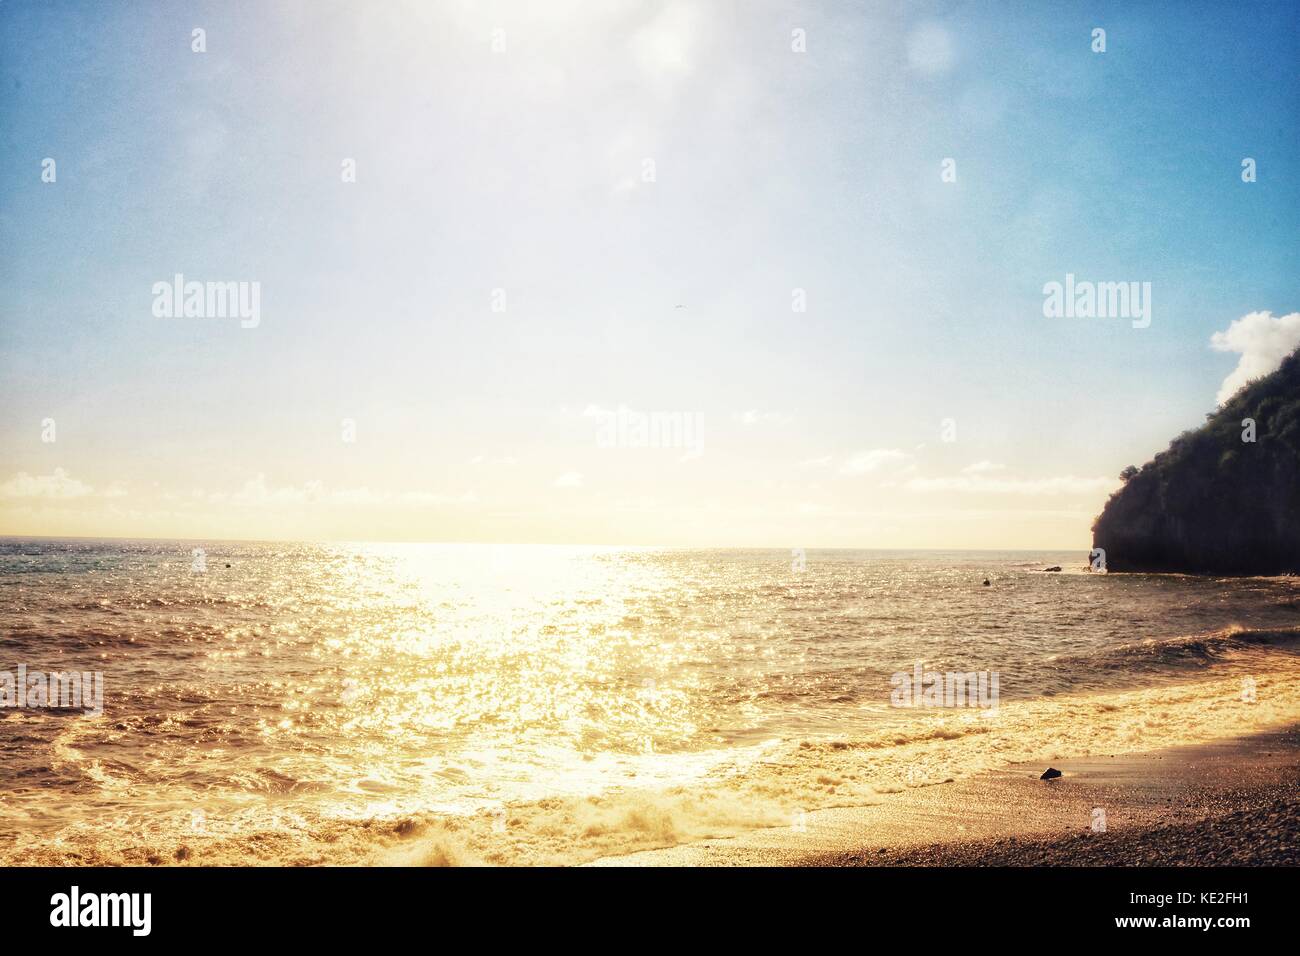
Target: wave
{"x": 1159, "y": 654}
{"x": 771, "y": 785}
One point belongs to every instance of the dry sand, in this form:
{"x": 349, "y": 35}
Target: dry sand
{"x": 1229, "y": 802}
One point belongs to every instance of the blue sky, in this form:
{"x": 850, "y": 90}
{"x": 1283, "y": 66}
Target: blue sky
{"x": 521, "y": 169}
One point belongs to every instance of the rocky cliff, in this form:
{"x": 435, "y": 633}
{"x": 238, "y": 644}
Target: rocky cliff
{"x": 1217, "y": 501}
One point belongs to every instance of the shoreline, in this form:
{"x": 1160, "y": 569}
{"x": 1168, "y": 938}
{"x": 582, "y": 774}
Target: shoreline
{"x": 1228, "y": 802}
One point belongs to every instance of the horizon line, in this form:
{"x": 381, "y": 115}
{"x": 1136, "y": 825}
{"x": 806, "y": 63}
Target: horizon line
{"x": 520, "y": 544}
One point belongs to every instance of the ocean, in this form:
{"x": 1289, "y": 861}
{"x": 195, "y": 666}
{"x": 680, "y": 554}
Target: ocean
{"x": 464, "y": 704}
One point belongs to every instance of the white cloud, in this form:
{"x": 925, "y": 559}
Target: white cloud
{"x": 434, "y": 498}
{"x": 823, "y": 462}
{"x": 982, "y": 468}
{"x": 255, "y": 493}
{"x": 570, "y": 479}
{"x": 57, "y": 485}
{"x": 981, "y": 484}
{"x": 867, "y": 462}
{"x": 1262, "y": 340}
{"x": 753, "y": 416}
{"x": 664, "y": 48}
{"x": 930, "y": 49}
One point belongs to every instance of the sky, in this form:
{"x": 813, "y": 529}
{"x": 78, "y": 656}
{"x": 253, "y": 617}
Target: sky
{"x": 809, "y": 242}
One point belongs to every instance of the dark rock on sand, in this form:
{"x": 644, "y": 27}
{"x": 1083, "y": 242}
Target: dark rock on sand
{"x": 1051, "y": 773}
{"x": 1054, "y": 568}
{"x": 1216, "y": 501}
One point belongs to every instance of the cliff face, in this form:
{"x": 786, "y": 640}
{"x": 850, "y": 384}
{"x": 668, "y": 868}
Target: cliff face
{"x": 1212, "y": 502}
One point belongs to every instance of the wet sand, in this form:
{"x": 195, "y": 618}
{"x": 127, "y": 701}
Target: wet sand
{"x": 1229, "y": 802}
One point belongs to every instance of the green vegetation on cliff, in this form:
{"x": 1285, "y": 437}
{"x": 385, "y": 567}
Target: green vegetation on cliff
{"x": 1214, "y": 501}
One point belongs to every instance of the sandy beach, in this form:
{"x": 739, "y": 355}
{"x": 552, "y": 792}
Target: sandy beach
{"x": 1232, "y": 802}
